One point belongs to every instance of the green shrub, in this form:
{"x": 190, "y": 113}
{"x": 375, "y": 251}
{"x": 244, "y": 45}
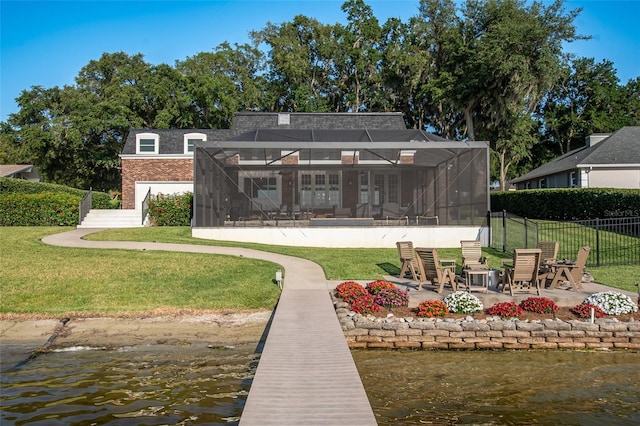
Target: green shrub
{"x": 171, "y": 210}
{"x": 100, "y": 200}
{"x": 39, "y": 209}
{"x": 568, "y": 203}
{"x": 26, "y": 203}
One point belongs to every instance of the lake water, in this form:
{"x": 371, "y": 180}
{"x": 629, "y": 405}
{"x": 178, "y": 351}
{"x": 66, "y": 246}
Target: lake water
{"x": 200, "y": 385}
{"x": 137, "y": 386}
{"x": 502, "y": 387}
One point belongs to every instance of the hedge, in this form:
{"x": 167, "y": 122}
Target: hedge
{"x": 171, "y": 210}
{"x": 569, "y": 203}
{"x": 26, "y": 203}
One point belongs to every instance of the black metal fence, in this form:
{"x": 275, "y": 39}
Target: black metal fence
{"x": 613, "y": 241}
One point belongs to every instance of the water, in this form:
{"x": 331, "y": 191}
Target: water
{"x": 163, "y": 384}
{"x": 502, "y": 387}
{"x": 136, "y": 386}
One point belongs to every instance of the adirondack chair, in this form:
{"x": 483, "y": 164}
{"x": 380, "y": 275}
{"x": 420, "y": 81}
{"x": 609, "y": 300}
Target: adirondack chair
{"x": 472, "y": 254}
{"x": 524, "y": 270}
{"x": 408, "y": 259}
{"x": 549, "y": 255}
{"x": 549, "y": 251}
{"x": 571, "y": 272}
{"x": 437, "y": 271}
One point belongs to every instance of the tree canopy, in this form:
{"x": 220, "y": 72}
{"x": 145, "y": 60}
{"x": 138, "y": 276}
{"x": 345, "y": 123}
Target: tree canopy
{"x": 492, "y": 70}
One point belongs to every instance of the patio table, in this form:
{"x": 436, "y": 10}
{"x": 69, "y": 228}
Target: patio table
{"x": 562, "y": 272}
{"x": 481, "y": 273}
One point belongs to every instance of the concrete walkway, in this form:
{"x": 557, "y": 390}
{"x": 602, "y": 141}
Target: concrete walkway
{"x": 306, "y": 374}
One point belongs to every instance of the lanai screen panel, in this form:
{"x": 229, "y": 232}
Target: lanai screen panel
{"x": 430, "y": 178}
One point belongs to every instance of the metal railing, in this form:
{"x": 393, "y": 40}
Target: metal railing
{"x": 85, "y": 206}
{"x": 145, "y": 205}
{"x": 613, "y": 241}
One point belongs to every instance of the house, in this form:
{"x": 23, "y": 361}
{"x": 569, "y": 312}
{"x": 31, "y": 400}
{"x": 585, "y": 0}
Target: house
{"x": 606, "y": 161}
{"x": 274, "y": 174}
{"x": 20, "y": 171}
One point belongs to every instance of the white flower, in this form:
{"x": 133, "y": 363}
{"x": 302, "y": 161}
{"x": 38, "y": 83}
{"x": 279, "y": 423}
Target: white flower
{"x": 463, "y": 303}
{"x": 612, "y": 303}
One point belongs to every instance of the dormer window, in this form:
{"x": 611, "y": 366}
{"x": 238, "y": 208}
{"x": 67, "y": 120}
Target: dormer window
{"x": 190, "y": 140}
{"x": 147, "y": 143}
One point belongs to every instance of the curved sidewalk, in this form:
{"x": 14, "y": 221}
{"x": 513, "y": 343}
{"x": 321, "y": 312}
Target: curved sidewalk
{"x": 306, "y": 374}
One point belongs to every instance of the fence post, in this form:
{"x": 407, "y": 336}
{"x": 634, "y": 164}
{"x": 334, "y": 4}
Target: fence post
{"x": 489, "y": 228}
{"x": 526, "y": 234}
{"x": 597, "y": 241}
{"x": 504, "y": 231}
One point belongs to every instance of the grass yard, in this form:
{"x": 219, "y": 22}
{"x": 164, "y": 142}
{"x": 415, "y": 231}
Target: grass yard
{"x": 361, "y": 264}
{"x": 44, "y": 280}
{"x": 39, "y": 279}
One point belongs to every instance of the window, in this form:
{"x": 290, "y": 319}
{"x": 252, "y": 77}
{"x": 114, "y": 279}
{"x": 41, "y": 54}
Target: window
{"x": 573, "y": 180}
{"x": 261, "y": 187}
{"x": 147, "y": 143}
{"x": 320, "y": 189}
{"x": 542, "y": 183}
{"x": 190, "y": 140}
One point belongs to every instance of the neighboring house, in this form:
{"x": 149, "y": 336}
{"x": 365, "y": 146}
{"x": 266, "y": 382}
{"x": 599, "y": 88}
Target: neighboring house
{"x": 20, "y": 171}
{"x": 607, "y": 161}
{"x": 326, "y": 169}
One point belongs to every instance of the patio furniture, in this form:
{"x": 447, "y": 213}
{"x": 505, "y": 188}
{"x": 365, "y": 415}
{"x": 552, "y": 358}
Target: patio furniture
{"x": 472, "y": 255}
{"x": 549, "y": 255}
{"x": 549, "y": 251}
{"x": 341, "y": 212}
{"x": 570, "y": 272}
{"x": 362, "y": 210}
{"x": 408, "y": 259}
{"x": 523, "y": 271}
{"x": 436, "y": 270}
{"x": 480, "y": 275}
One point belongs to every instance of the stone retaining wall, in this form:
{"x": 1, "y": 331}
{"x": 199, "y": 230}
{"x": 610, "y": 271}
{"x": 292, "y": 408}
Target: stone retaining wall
{"x": 428, "y": 333}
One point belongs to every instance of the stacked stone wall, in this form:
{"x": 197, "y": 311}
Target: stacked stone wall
{"x": 364, "y": 332}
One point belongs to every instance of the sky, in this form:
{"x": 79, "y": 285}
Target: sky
{"x": 47, "y": 43}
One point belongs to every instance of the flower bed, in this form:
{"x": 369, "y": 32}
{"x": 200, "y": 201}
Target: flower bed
{"x": 463, "y": 305}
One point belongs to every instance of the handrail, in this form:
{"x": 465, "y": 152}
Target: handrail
{"x": 145, "y": 205}
{"x": 85, "y": 206}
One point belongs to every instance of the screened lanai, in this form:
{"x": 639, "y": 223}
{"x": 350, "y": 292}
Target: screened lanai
{"x": 304, "y": 177}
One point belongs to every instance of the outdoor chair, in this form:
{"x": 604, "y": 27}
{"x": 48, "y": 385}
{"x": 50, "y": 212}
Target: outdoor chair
{"x": 362, "y": 210}
{"x": 571, "y": 272}
{"x": 548, "y": 258}
{"x": 408, "y": 259}
{"x": 472, "y": 255}
{"x": 549, "y": 251}
{"x": 523, "y": 271}
{"x": 436, "y": 270}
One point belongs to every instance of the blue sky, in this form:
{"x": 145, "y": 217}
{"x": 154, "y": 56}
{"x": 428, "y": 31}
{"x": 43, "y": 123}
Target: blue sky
{"x": 46, "y": 43}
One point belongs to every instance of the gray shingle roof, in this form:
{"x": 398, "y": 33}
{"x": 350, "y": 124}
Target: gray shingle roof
{"x": 245, "y": 121}
{"x": 172, "y": 140}
{"x": 622, "y": 147}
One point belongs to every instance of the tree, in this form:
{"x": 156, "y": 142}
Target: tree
{"x": 358, "y": 58}
{"x": 300, "y": 64}
{"x": 221, "y": 82}
{"x": 517, "y": 54}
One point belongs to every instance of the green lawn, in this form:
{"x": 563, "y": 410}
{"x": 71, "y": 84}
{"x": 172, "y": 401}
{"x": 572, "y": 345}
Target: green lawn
{"x": 39, "y": 279}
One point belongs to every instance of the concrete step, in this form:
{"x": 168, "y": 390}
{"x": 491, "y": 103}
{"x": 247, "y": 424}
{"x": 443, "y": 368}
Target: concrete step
{"x": 97, "y": 218}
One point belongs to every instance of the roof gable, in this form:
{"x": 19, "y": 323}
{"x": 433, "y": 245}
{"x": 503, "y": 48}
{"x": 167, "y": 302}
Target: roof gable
{"x": 622, "y": 147}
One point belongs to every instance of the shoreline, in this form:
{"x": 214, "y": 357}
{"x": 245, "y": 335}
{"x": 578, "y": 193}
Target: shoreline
{"x": 211, "y": 328}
